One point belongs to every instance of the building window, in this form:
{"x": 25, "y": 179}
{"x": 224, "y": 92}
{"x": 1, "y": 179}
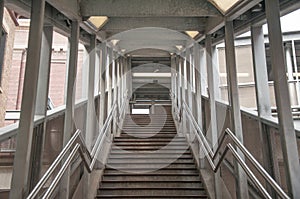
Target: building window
{"x": 2, "y": 52}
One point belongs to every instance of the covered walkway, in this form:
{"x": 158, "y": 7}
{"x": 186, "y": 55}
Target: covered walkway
{"x": 153, "y": 81}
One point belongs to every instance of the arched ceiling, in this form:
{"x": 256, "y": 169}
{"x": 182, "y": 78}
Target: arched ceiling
{"x": 150, "y": 38}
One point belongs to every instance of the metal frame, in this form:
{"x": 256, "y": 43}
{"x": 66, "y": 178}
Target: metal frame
{"x": 79, "y": 147}
{"x": 211, "y": 156}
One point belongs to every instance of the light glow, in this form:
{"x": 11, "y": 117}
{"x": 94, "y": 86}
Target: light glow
{"x": 140, "y": 111}
{"x": 192, "y": 34}
{"x": 224, "y": 5}
{"x": 151, "y": 74}
{"x": 98, "y": 21}
{"x": 114, "y": 41}
{"x": 179, "y": 47}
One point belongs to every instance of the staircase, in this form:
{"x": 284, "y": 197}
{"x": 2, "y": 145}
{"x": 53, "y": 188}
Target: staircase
{"x": 149, "y": 160}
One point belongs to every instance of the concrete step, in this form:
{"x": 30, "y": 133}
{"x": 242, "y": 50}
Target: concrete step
{"x": 150, "y": 151}
{"x": 150, "y": 156}
{"x": 152, "y": 178}
{"x": 164, "y": 171}
{"x": 148, "y": 135}
{"x": 151, "y": 191}
{"x": 160, "y": 152}
{"x": 166, "y": 124}
{"x": 146, "y": 184}
{"x": 149, "y": 161}
{"x": 152, "y": 197}
{"x": 124, "y": 139}
{"x": 141, "y": 130}
{"x": 150, "y": 166}
{"x": 134, "y": 147}
{"x": 138, "y": 144}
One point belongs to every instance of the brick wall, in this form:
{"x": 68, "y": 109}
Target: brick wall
{"x": 9, "y": 27}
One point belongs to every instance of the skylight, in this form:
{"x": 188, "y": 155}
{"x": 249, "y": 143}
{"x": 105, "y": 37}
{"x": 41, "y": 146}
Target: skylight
{"x": 98, "y": 21}
{"x": 224, "y": 5}
{"x": 192, "y": 34}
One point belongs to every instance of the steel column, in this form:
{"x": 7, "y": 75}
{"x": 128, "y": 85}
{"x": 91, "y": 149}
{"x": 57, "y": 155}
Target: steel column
{"x": 91, "y": 113}
{"x": 241, "y": 182}
{"x": 262, "y": 92}
{"x": 102, "y": 83}
{"x": 213, "y": 128}
{"x": 109, "y": 67}
{"x": 173, "y": 82}
{"x": 41, "y": 105}
{"x": 21, "y": 171}
{"x": 70, "y": 101}
{"x": 285, "y": 118}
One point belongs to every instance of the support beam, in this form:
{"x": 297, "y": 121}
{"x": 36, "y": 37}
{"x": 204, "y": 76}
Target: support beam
{"x": 41, "y": 104}
{"x": 115, "y": 89}
{"x": 21, "y": 170}
{"x": 102, "y": 83}
{"x": 198, "y": 107}
{"x": 241, "y": 182}
{"x": 183, "y": 93}
{"x": 213, "y": 128}
{"x": 260, "y": 71}
{"x": 69, "y": 8}
{"x": 70, "y": 100}
{"x": 173, "y": 82}
{"x": 150, "y": 8}
{"x": 290, "y": 72}
{"x": 109, "y": 74}
{"x": 203, "y": 71}
{"x": 189, "y": 81}
{"x": 91, "y": 113}
{"x": 285, "y": 118}
{"x": 262, "y": 95}
{"x": 179, "y": 82}
{"x": 173, "y": 23}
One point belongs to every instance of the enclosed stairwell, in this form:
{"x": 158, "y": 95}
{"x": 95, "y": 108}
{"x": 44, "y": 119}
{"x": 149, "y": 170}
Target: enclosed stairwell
{"x": 150, "y": 160}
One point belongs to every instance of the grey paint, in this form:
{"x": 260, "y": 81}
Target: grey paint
{"x": 287, "y": 131}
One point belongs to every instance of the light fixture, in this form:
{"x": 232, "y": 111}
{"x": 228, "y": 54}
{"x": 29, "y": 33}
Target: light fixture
{"x": 114, "y": 41}
{"x": 179, "y": 47}
{"x": 224, "y": 5}
{"x": 151, "y": 74}
{"x": 97, "y": 21}
{"x": 123, "y": 50}
{"x": 192, "y": 34}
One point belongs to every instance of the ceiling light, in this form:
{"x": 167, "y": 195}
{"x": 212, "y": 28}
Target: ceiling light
{"x": 192, "y": 34}
{"x": 114, "y": 41}
{"x": 97, "y": 21}
{"x": 224, "y": 5}
{"x": 179, "y": 47}
{"x": 151, "y": 74}
{"x": 123, "y": 50}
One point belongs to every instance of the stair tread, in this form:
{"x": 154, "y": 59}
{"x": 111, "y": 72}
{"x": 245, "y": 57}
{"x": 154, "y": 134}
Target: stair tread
{"x": 157, "y": 196}
{"x": 150, "y": 160}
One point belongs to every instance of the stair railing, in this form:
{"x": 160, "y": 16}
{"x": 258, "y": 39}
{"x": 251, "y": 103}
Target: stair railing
{"x": 77, "y": 144}
{"x": 211, "y": 157}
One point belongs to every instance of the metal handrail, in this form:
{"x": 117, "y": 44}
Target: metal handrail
{"x": 211, "y": 156}
{"x": 79, "y": 147}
